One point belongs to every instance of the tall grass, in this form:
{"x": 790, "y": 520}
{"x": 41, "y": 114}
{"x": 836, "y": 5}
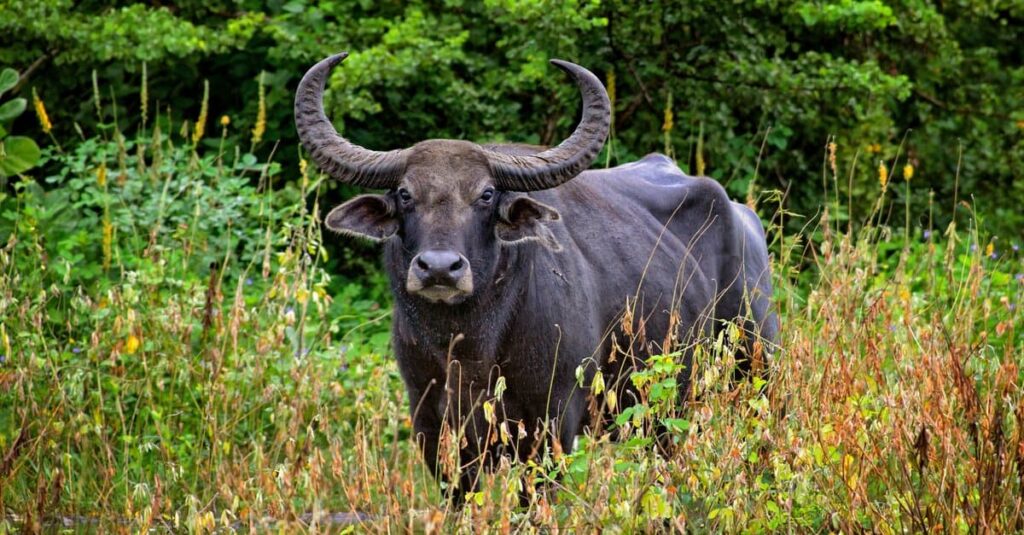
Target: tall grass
{"x": 175, "y": 356}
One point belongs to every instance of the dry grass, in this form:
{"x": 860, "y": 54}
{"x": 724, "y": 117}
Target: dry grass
{"x": 163, "y": 392}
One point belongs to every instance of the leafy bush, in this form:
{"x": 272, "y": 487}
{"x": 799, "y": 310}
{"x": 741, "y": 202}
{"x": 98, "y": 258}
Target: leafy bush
{"x": 17, "y": 153}
{"x": 747, "y": 92}
{"x": 158, "y": 304}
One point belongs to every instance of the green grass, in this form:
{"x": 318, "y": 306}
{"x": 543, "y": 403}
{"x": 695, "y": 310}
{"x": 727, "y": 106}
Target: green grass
{"x": 176, "y": 355}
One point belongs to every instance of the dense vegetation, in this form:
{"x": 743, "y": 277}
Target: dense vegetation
{"x": 747, "y": 92}
{"x": 180, "y": 348}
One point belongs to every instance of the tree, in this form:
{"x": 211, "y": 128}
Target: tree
{"x": 749, "y": 92}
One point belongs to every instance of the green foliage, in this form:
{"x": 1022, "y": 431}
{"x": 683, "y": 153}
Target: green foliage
{"x": 757, "y": 87}
{"x": 160, "y": 305}
{"x": 131, "y": 32}
{"x": 17, "y": 153}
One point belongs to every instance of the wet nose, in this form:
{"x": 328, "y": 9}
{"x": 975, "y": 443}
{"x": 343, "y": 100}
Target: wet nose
{"x": 440, "y": 267}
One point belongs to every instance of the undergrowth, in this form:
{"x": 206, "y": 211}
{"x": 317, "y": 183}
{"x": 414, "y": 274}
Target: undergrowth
{"x": 176, "y": 356}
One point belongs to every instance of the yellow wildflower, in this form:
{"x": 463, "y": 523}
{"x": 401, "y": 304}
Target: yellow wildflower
{"x": 668, "y": 123}
{"x": 611, "y": 89}
{"x": 874, "y": 148}
{"x": 144, "y": 94}
{"x": 101, "y": 175}
{"x": 908, "y": 172}
{"x": 990, "y": 248}
{"x": 108, "y": 243}
{"x": 883, "y": 175}
{"x": 6, "y": 340}
{"x": 261, "y": 114}
{"x": 131, "y": 345}
{"x": 44, "y": 119}
{"x": 225, "y": 120}
{"x": 197, "y": 133}
{"x": 832, "y": 156}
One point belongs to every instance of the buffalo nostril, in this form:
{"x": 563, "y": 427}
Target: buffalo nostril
{"x": 440, "y": 266}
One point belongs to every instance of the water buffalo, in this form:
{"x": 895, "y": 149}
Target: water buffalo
{"x": 516, "y": 262}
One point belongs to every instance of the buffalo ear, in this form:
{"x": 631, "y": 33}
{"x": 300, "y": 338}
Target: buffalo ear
{"x": 366, "y": 216}
{"x": 522, "y": 218}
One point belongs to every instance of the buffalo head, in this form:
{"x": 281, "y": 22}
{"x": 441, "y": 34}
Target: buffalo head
{"x": 453, "y": 204}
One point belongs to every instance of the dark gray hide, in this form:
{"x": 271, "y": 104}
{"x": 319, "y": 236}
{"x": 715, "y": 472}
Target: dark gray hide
{"x": 529, "y": 285}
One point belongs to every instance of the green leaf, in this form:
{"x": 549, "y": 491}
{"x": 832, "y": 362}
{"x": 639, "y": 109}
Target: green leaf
{"x": 294, "y": 7}
{"x": 18, "y": 155}
{"x": 677, "y": 425}
{"x": 10, "y": 110}
{"x": 8, "y": 78}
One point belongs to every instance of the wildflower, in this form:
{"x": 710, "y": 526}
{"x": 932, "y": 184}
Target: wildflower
{"x": 1019, "y": 277}
{"x": 3, "y": 359}
{"x": 927, "y": 234}
{"x": 144, "y": 94}
{"x": 96, "y": 95}
{"x": 44, "y": 119}
{"x": 974, "y": 247}
{"x": 883, "y": 175}
{"x": 990, "y": 250}
{"x": 669, "y": 120}
{"x": 611, "y": 89}
{"x": 832, "y": 156}
{"x": 1015, "y": 247}
{"x": 101, "y": 175}
{"x": 261, "y": 114}
{"x": 204, "y": 108}
{"x": 666, "y": 127}
{"x": 108, "y": 243}
{"x": 908, "y": 172}
{"x": 611, "y": 105}
{"x": 131, "y": 345}
{"x": 248, "y": 281}
{"x": 76, "y": 350}
{"x": 225, "y": 120}
{"x": 874, "y": 148}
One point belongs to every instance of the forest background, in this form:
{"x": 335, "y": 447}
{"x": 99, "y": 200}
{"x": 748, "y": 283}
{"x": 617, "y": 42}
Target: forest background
{"x": 740, "y": 91}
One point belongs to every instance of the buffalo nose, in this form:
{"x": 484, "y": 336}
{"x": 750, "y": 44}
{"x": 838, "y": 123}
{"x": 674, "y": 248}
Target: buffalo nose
{"x": 440, "y": 267}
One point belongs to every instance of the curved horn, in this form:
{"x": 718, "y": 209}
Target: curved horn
{"x": 558, "y": 165}
{"x": 332, "y": 153}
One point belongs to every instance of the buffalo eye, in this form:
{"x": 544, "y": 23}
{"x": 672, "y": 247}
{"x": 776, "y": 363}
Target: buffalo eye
{"x": 487, "y": 196}
{"x": 404, "y": 196}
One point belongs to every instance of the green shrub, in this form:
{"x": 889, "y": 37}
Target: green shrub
{"x": 17, "y": 153}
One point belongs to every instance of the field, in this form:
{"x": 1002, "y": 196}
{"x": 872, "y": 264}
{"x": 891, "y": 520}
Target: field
{"x": 177, "y": 356}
